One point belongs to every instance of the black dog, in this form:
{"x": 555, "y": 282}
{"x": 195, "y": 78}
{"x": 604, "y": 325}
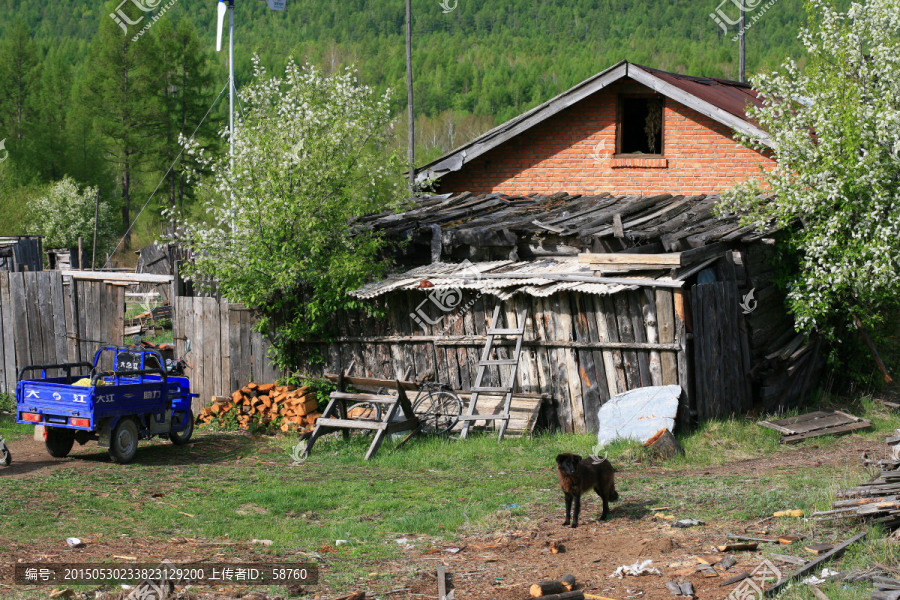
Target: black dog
{"x": 576, "y": 476}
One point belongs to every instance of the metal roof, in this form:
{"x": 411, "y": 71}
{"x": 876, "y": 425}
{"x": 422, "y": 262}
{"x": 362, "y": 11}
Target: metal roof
{"x": 534, "y": 278}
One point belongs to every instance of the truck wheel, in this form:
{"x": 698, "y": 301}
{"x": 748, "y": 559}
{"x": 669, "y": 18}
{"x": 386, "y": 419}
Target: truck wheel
{"x": 124, "y": 442}
{"x": 183, "y": 437}
{"x": 58, "y": 441}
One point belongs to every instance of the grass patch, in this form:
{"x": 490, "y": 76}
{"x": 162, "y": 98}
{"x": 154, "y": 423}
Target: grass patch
{"x": 432, "y": 491}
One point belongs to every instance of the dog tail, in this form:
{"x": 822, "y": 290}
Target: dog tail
{"x": 613, "y": 495}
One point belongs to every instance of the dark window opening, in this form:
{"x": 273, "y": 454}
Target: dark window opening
{"x": 640, "y": 125}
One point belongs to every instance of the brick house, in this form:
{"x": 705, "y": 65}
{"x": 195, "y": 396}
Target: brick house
{"x": 628, "y": 130}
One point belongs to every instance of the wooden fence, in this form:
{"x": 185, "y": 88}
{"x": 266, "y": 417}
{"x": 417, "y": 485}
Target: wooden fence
{"x": 45, "y": 319}
{"x": 225, "y": 353}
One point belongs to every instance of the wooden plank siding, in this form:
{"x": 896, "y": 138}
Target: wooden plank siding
{"x": 45, "y": 319}
{"x": 579, "y": 349}
{"x": 226, "y": 354}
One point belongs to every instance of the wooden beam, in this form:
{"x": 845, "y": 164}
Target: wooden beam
{"x": 118, "y": 277}
{"x": 480, "y": 340}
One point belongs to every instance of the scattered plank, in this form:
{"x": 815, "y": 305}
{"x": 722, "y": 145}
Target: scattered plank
{"x": 813, "y": 564}
{"x": 793, "y": 560}
{"x": 819, "y": 548}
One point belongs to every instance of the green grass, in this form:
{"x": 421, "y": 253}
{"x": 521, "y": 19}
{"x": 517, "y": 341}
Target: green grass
{"x": 239, "y": 489}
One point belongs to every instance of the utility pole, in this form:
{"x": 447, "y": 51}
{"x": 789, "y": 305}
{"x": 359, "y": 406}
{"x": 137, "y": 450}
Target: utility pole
{"x": 742, "y": 50}
{"x": 409, "y": 93}
{"x": 96, "y": 221}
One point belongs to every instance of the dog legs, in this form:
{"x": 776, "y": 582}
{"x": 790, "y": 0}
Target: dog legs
{"x": 605, "y": 503}
{"x": 577, "y": 511}
{"x": 568, "y": 509}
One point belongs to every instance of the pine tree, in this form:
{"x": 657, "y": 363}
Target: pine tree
{"x": 18, "y": 72}
{"x": 51, "y": 144}
{"x": 122, "y": 95}
{"x": 186, "y": 94}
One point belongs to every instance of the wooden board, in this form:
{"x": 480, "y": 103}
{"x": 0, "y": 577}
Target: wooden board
{"x": 815, "y": 424}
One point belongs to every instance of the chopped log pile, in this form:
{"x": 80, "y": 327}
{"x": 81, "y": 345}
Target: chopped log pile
{"x": 877, "y": 500}
{"x": 287, "y": 407}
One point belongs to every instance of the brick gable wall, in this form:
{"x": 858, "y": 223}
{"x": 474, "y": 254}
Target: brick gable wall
{"x": 573, "y": 152}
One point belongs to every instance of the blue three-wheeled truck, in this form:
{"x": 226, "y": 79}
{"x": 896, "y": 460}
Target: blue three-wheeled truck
{"x": 141, "y": 397}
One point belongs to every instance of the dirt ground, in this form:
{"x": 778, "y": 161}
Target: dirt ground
{"x": 499, "y": 564}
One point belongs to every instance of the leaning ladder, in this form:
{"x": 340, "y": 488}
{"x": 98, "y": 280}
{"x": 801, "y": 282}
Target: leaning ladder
{"x": 485, "y": 362}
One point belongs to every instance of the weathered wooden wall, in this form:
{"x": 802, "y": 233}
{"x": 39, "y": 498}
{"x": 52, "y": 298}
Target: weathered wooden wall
{"x": 579, "y": 348}
{"x": 226, "y": 353}
{"x": 24, "y": 253}
{"x": 47, "y": 320}
{"x": 721, "y": 352}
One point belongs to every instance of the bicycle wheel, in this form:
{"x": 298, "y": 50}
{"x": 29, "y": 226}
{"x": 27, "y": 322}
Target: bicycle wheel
{"x": 438, "y": 411}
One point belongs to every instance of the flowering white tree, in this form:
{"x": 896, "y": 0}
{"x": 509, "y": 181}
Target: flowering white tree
{"x": 65, "y": 212}
{"x": 835, "y": 132}
{"x": 310, "y": 154}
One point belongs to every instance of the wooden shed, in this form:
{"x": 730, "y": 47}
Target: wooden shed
{"x": 621, "y": 292}
{"x": 21, "y": 253}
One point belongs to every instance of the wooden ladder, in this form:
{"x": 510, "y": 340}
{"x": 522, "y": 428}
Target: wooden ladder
{"x": 485, "y": 362}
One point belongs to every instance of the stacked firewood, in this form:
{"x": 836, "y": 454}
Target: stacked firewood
{"x": 297, "y": 407}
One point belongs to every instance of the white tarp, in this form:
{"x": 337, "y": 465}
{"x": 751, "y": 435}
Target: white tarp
{"x": 638, "y": 414}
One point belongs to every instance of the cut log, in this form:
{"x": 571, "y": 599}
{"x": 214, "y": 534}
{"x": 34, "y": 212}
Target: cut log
{"x": 546, "y": 588}
{"x": 568, "y": 582}
{"x": 573, "y": 595}
{"x": 737, "y": 546}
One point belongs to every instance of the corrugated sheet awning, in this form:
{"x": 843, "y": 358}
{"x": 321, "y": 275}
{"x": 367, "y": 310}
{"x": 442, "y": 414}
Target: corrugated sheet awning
{"x": 504, "y": 278}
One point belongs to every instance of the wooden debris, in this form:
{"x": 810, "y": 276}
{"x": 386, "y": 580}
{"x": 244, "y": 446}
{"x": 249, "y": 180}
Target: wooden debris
{"x": 664, "y": 444}
{"x": 709, "y": 560}
{"x": 743, "y": 538}
{"x": 568, "y": 582}
{"x": 819, "y": 548}
{"x": 813, "y": 564}
{"x": 707, "y": 571}
{"x": 553, "y": 589}
{"x": 557, "y": 547}
{"x": 297, "y": 408}
{"x": 815, "y": 424}
{"x": 788, "y": 513}
{"x": 734, "y": 579}
{"x": 886, "y": 595}
{"x": 726, "y": 563}
{"x": 818, "y": 593}
{"x": 546, "y": 588}
{"x": 877, "y": 500}
{"x": 787, "y": 558}
{"x": 737, "y": 546}
{"x": 789, "y": 539}
{"x": 442, "y": 582}
{"x": 573, "y": 595}
{"x": 681, "y": 588}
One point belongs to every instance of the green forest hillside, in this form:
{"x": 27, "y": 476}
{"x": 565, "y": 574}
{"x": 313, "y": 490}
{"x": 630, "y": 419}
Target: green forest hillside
{"x": 475, "y": 66}
{"x": 491, "y": 57}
